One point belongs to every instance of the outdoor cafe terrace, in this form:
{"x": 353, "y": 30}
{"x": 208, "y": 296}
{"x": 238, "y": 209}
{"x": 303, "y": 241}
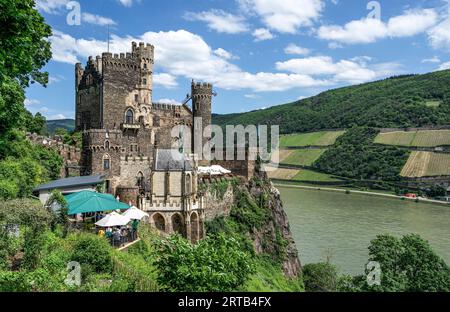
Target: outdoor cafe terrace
{"x": 104, "y": 215}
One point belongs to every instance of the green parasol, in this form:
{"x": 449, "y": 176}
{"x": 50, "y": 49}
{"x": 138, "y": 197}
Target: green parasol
{"x": 89, "y": 201}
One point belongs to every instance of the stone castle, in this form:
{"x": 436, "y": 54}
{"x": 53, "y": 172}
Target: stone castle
{"x": 127, "y": 138}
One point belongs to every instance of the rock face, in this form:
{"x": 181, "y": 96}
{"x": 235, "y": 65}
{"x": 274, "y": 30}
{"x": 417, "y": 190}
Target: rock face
{"x": 276, "y": 231}
{"x": 273, "y": 237}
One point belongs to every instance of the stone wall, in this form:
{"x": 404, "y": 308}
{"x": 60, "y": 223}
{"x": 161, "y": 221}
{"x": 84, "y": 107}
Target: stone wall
{"x": 132, "y": 167}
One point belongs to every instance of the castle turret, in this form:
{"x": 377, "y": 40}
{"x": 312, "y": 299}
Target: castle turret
{"x": 201, "y": 112}
{"x": 145, "y": 56}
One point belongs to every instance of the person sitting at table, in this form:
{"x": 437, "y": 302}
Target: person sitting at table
{"x": 117, "y": 237}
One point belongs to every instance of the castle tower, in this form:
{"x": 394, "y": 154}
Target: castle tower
{"x": 201, "y": 111}
{"x": 144, "y": 55}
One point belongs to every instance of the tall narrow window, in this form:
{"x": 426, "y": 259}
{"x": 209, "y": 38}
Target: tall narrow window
{"x": 106, "y": 164}
{"x": 106, "y": 144}
{"x": 136, "y": 98}
{"x": 145, "y": 65}
{"x": 144, "y": 81}
{"x": 129, "y": 117}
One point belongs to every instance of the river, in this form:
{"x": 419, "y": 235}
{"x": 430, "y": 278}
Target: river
{"x": 342, "y": 225}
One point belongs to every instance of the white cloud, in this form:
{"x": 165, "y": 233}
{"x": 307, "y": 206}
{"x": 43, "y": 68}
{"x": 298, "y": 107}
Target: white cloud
{"x": 433, "y": 59}
{"x": 439, "y": 36}
{"x": 369, "y": 30}
{"x": 56, "y": 117}
{"x": 349, "y": 71}
{"x": 127, "y": 3}
{"x": 225, "y": 54}
{"x": 285, "y": 16}
{"x": 168, "y": 101}
{"x": 97, "y": 19}
{"x": 444, "y": 66}
{"x": 165, "y": 80}
{"x": 335, "y": 45}
{"x": 184, "y": 54}
{"x": 51, "y": 6}
{"x": 252, "y": 96}
{"x": 295, "y": 49}
{"x": 29, "y": 102}
{"x": 219, "y": 21}
{"x": 261, "y": 34}
{"x": 59, "y": 6}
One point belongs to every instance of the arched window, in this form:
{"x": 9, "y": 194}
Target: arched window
{"x": 106, "y": 144}
{"x": 129, "y": 116}
{"x": 106, "y": 162}
{"x": 140, "y": 180}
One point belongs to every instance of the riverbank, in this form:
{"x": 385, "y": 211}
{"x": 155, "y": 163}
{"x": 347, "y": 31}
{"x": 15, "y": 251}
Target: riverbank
{"x": 369, "y": 193}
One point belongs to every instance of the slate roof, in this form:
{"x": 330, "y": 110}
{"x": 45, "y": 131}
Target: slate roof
{"x": 172, "y": 160}
{"x": 71, "y": 182}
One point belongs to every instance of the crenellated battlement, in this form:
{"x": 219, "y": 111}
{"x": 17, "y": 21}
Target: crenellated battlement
{"x": 145, "y": 51}
{"x": 164, "y": 106}
{"x": 201, "y": 89}
{"x": 135, "y": 159}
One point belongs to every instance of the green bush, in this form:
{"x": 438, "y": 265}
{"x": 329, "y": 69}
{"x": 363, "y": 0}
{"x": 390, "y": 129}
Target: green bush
{"x": 269, "y": 277}
{"x": 214, "y": 264}
{"x": 92, "y": 252}
{"x": 247, "y": 212}
{"x": 320, "y": 277}
{"x": 14, "y": 281}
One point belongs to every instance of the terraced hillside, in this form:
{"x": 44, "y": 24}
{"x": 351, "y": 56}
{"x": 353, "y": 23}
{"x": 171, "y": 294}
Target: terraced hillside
{"x": 420, "y": 138}
{"x": 321, "y": 138}
{"x": 426, "y": 164}
{"x": 301, "y": 157}
{"x": 301, "y": 175}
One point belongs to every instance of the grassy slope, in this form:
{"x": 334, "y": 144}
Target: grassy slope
{"x": 422, "y": 138}
{"x": 426, "y": 164}
{"x": 321, "y": 138}
{"x": 303, "y": 157}
{"x": 395, "y": 102}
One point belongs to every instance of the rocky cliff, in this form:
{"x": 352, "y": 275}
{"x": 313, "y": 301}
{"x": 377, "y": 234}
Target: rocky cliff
{"x": 255, "y": 209}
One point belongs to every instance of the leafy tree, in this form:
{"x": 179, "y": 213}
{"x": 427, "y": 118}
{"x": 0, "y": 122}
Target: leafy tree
{"x": 408, "y": 264}
{"x": 436, "y": 191}
{"x": 35, "y": 124}
{"x": 320, "y": 277}
{"x": 214, "y": 264}
{"x": 33, "y": 217}
{"x": 24, "y": 48}
{"x": 355, "y": 156}
{"x": 25, "y": 174}
{"x": 61, "y": 131}
{"x": 58, "y": 205}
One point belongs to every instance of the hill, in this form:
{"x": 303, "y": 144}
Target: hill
{"x": 397, "y": 102}
{"x": 68, "y": 124}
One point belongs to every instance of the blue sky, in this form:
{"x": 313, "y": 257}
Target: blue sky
{"x": 257, "y": 53}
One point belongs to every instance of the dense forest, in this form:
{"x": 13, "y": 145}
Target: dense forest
{"x": 355, "y": 156}
{"x": 404, "y": 101}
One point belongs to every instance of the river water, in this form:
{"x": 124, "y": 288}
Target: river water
{"x": 341, "y": 226}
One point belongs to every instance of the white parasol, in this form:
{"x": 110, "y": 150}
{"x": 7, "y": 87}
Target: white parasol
{"x": 135, "y": 213}
{"x": 113, "y": 219}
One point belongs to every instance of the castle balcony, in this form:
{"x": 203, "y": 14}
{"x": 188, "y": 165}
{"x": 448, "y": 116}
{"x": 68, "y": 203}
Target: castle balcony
{"x": 130, "y": 126}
